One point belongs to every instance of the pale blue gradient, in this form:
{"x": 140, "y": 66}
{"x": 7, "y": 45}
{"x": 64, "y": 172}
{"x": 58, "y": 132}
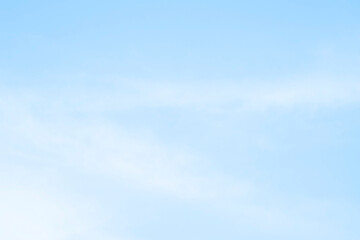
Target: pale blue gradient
{"x": 157, "y": 120}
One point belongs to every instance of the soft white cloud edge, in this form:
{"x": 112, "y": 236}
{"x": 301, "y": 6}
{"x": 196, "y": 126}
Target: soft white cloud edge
{"x": 219, "y": 97}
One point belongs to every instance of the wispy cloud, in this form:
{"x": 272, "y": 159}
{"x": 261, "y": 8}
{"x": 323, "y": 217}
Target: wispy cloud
{"x": 117, "y": 95}
{"x": 45, "y": 126}
{"x": 103, "y": 148}
{"x": 307, "y": 91}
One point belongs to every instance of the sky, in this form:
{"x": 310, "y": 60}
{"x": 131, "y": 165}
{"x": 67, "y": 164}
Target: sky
{"x": 157, "y": 120}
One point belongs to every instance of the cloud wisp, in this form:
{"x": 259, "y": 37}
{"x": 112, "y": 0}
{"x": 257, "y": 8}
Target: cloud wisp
{"x": 219, "y": 97}
{"x": 103, "y": 148}
{"x": 70, "y": 127}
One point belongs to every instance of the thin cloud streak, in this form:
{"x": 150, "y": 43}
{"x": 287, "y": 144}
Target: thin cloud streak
{"x": 119, "y": 95}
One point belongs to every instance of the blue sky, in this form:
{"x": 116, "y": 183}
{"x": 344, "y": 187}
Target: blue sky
{"x": 152, "y": 120}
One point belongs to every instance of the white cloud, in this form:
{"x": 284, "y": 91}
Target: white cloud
{"x": 43, "y": 127}
{"x": 104, "y": 149}
{"x": 222, "y": 97}
{"x": 313, "y": 91}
